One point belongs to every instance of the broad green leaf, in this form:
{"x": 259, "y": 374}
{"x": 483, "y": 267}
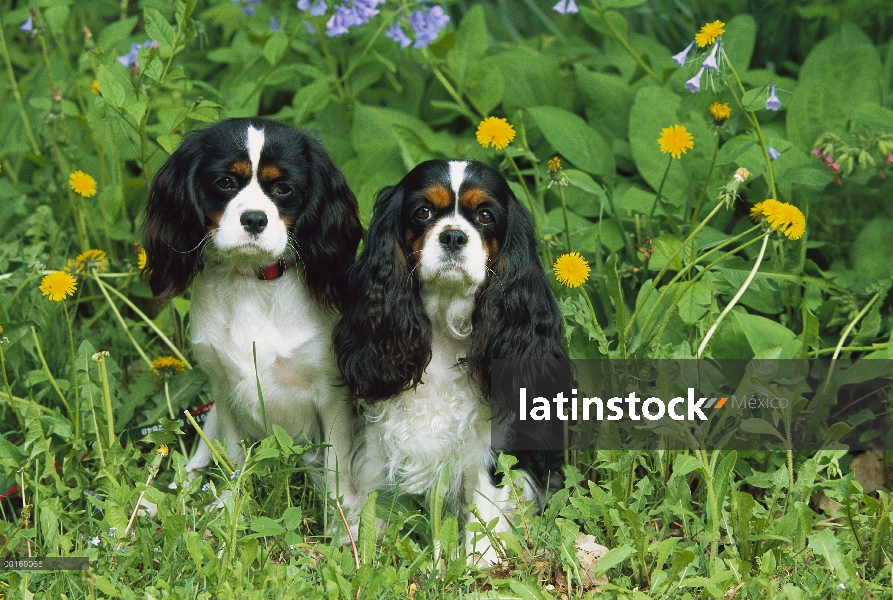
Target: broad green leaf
{"x": 159, "y": 30}
{"x": 826, "y": 545}
{"x": 762, "y": 333}
{"x": 761, "y": 426}
{"x": 612, "y": 558}
{"x": 738, "y": 41}
{"x": 841, "y": 73}
{"x": 110, "y": 88}
{"x": 368, "y": 530}
{"x": 575, "y": 140}
{"x": 870, "y": 252}
{"x": 309, "y": 99}
{"x": 471, "y": 43}
{"x": 267, "y": 526}
{"x": 275, "y": 47}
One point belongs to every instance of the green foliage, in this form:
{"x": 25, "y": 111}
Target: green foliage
{"x": 670, "y": 243}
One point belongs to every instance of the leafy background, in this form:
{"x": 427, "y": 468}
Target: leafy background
{"x": 594, "y": 88}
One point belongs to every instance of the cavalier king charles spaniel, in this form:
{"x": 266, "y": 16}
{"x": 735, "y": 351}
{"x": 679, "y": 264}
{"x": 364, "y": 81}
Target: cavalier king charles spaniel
{"x": 448, "y": 281}
{"x": 257, "y": 214}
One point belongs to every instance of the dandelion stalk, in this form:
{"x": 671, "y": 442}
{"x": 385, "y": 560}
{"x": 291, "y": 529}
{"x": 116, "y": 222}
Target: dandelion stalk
{"x": 99, "y": 443}
{"x": 567, "y": 225}
{"x": 170, "y": 411}
{"x": 217, "y": 456}
{"x": 74, "y": 376}
{"x": 146, "y": 319}
{"x": 100, "y": 357}
{"x": 736, "y": 297}
{"x": 49, "y": 374}
{"x": 114, "y": 308}
{"x": 660, "y": 190}
{"x": 15, "y": 92}
{"x": 9, "y": 389}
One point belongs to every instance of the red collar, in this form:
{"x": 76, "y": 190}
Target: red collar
{"x": 268, "y": 273}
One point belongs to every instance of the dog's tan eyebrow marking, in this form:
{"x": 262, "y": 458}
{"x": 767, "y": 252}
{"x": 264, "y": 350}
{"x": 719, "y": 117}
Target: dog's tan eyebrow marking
{"x": 270, "y": 172}
{"x": 473, "y": 198}
{"x": 438, "y": 196}
{"x": 212, "y": 220}
{"x": 242, "y": 168}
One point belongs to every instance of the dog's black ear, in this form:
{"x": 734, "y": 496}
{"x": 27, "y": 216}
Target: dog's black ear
{"x": 328, "y": 231}
{"x": 515, "y": 316}
{"x": 175, "y": 224}
{"x": 383, "y": 340}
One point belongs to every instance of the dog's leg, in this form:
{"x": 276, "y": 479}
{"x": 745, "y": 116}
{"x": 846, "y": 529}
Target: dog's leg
{"x": 339, "y": 424}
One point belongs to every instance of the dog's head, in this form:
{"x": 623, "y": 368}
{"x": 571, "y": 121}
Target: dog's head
{"x": 451, "y": 229}
{"x": 250, "y": 193}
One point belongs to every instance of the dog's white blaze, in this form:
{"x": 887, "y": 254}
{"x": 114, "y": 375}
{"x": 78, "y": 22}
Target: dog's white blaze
{"x": 255, "y": 145}
{"x": 457, "y": 176}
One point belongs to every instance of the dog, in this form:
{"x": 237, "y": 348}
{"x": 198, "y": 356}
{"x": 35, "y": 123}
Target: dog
{"x": 258, "y": 216}
{"x": 448, "y": 280}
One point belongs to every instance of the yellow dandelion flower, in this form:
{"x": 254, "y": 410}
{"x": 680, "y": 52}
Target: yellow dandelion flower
{"x": 785, "y": 217}
{"x": 554, "y": 165}
{"x": 708, "y": 33}
{"x": 496, "y": 131}
{"x": 167, "y": 365}
{"x": 571, "y": 269}
{"x": 58, "y": 286}
{"x": 71, "y": 266}
{"x": 82, "y": 184}
{"x": 94, "y": 87}
{"x": 163, "y": 450}
{"x": 720, "y": 111}
{"x": 141, "y": 259}
{"x": 92, "y": 259}
{"x": 676, "y": 140}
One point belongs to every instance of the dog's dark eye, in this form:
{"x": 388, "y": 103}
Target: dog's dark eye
{"x": 423, "y": 213}
{"x": 485, "y": 217}
{"x": 282, "y": 189}
{"x": 225, "y": 183}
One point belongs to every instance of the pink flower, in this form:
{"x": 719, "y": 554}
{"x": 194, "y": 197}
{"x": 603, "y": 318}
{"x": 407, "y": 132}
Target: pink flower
{"x": 828, "y": 159}
{"x": 890, "y": 158}
{"x": 838, "y": 181}
{"x": 835, "y": 167}
{"x": 817, "y": 152}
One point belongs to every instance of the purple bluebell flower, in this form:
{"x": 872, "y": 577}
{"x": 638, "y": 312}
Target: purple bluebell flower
{"x": 28, "y": 25}
{"x": 773, "y": 153}
{"x": 566, "y": 7}
{"x": 710, "y": 61}
{"x": 274, "y": 24}
{"x": 397, "y": 34}
{"x": 247, "y": 6}
{"x": 772, "y": 102}
{"x": 427, "y": 25}
{"x": 317, "y": 10}
{"x": 694, "y": 84}
{"x": 679, "y": 59}
{"x": 95, "y": 540}
{"x": 341, "y": 21}
{"x": 130, "y": 59}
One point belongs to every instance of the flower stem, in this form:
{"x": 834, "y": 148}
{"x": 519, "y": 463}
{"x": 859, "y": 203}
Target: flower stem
{"x": 170, "y": 411}
{"x": 106, "y": 399}
{"x": 756, "y": 126}
{"x": 622, "y": 41}
{"x": 74, "y": 376}
{"x": 217, "y": 457}
{"x": 736, "y": 297}
{"x": 660, "y": 190}
{"x": 9, "y": 395}
{"x": 533, "y": 212}
{"x": 567, "y": 226}
{"x": 114, "y": 308}
{"x": 15, "y": 92}
{"x": 89, "y": 388}
{"x": 49, "y": 373}
{"x": 691, "y": 236}
{"x": 147, "y": 320}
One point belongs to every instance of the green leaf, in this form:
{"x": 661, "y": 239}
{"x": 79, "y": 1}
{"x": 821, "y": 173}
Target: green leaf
{"x": 110, "y": 89}
{"x": 612, "y": 558}
{"x": 471, "y": 43}
{"x": 309, "y": 99}
{"x": 275, "y": 47}
{"x": 159, "y": 30}
{"x": 685, "y": 464}
{"x": 266, "y": 526}
{"x": 615, "y": 292}
{"x": 825, "y": 545}
{"x": 623, "y": 3}
{"x": 761, "y": 426}
{"x": 292, "y": 517}
{"x": 841, "y": 73}
{"x": 870, "y": 252}
{"x": 111, "y": 34}
{"x": 368, "y": 530}
{"x": 594, "y": 20}
{"x": 738, "y": 41}
{"x": 485, "y": 85}
{"x": 575, "y": 140}
{"x": 169, "y": 141}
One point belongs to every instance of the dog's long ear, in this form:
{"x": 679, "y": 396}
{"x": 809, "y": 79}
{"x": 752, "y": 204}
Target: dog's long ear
{"x": 516, "y": 315}
{"x": 175, "y": 223}
{"x": 383, "y": 340}
{"x": 328, "y": 230}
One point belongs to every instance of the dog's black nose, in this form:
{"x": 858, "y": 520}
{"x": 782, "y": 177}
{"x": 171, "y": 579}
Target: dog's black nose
{"x": 453, "y": 239}
{"x": 254, "y": 221}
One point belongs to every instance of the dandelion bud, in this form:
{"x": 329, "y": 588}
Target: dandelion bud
{"x": 741, "y": 175}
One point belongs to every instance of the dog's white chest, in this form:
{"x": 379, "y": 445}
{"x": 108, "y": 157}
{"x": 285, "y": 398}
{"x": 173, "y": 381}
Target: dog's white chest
{"x": 234, "y": 316}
